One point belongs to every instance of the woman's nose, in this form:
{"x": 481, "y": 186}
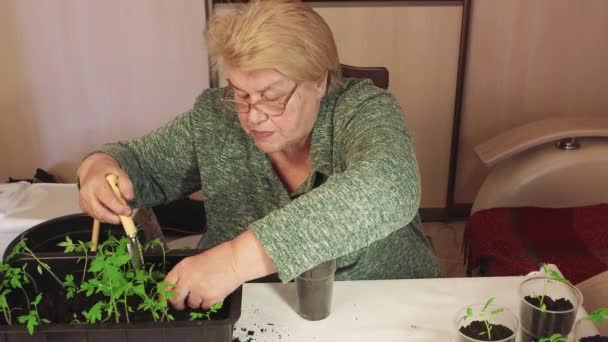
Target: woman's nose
{"x": 256, "y": 116}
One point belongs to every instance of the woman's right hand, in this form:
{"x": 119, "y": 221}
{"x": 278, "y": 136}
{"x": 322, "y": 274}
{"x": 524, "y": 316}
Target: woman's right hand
{"x": 95, "y": 196}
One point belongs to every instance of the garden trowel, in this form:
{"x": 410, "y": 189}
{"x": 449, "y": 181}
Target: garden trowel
{"x": 135, "y": 249}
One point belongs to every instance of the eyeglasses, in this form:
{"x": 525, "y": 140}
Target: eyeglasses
{"x": 270, "y": 108}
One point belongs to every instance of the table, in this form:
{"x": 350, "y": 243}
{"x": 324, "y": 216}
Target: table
{"x": 33, "y": 204}
{"x": 379, "y": 310}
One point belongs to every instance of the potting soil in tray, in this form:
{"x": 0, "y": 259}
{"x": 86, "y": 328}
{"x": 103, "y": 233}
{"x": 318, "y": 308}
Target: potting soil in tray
{"x": 58, "y": 309}
{"x": 477, "y": 331}
{"x": 61, "y": 311}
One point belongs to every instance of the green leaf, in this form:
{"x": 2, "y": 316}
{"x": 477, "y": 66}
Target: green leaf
{"x": 94, "y": 314}
{"x": 3, "y": 302}
{"x": 97, "y": 264}
{"x": 16, "y": 280}
{"x": 141, "y": 276}
{"x": 554, "y": 338}
{"x": 139, "y": 290}
{"x": 556, "y": 276}
{"x": 69, "y": 279}
{"x": 37, "y": 300}
{"x": 488, "y": 303}
{"x": 154, "y": 243}
{"x": 39, "y": 268}
{"x": 497, "y": 311}
{"x": 217, "y": 306}
{"x": 82, "y": 246}
{"x": 598, "y": 315}
{"x": 120, "y": 260}
{"x": 30, "y": 321}
{"x": 91, "y": 286}
{"x": 196, "y": 315}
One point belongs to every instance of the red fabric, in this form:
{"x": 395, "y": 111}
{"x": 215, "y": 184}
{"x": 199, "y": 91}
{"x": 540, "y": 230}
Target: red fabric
{"x": 513, "y": 241}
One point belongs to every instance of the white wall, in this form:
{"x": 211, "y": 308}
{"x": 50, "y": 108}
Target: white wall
{"x": 76, "y": 74}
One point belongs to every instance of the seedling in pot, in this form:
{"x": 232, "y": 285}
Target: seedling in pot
{"x": 554, "y": 338}
{"x": 483, "y": 324}
{"x": 551, "y": 276}
{"x": 549, "y": 306}
{"x": 484, "y": 317}
{"x": 585, "y": 328}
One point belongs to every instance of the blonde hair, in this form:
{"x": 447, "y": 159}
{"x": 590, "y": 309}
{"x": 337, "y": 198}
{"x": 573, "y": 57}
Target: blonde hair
{"x": 283, "y": 35}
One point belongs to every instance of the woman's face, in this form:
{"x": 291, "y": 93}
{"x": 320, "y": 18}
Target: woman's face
{"x": 288, "y": 132}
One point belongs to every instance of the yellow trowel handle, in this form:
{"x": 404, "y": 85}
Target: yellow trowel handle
{"x": 95, "y": 236}
{"x": 127, "y": 221}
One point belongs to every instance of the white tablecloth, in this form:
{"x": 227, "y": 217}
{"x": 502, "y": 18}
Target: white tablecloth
{"x": 24, "y": 205}
{"x": 379, "y": 311}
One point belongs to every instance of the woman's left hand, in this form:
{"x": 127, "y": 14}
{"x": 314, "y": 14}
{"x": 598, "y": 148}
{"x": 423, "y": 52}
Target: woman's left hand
{"x": 205, "y": 279}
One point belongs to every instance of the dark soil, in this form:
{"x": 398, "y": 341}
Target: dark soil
{"x": 537, "y": 323}
{"x": 596, "y": 338}
{"x": 561, "y": 304}
{"x": 477, "y": 328}
{"x": 55, "y": 307}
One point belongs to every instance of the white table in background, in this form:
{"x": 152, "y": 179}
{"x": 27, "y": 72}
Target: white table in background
{"x": 34, "y": 204}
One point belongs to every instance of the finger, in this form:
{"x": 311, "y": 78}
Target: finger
{"x": 194, "y": 300}
{"x": 171, "y": 277}
{"x": 125, "y": 185}
{"x": 101, "y": 213}
{"x": 108, "y": 199}
{"x": 84, "y": 205}
{"x": 181, "y": 293}
{"x": 85, "y": 197}
{"x": 179, "y": 290}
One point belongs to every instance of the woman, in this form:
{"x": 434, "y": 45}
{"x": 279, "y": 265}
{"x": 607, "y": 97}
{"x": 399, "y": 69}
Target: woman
{"x": 297, "y": 165}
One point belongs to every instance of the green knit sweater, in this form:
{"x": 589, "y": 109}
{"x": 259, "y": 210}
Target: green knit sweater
{"x": 359, "y": 205}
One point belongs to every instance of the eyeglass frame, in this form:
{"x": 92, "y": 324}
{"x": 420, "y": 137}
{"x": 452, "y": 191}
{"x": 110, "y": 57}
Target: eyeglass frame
{"x": 283, "y": 104}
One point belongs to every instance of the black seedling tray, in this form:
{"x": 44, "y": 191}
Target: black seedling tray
{"x": 42, "y": 240}
{"x": 141, "y": 328}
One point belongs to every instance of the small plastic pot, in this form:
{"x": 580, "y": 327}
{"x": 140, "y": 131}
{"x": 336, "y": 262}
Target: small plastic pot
{"x": 314, "y": 289}
{"x": 504, "y": 323}
{"x": 537, "y": 323}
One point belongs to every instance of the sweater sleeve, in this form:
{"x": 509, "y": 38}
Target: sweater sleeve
{"x": 377, "y": 193}
{"x": 162, "y": 164}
